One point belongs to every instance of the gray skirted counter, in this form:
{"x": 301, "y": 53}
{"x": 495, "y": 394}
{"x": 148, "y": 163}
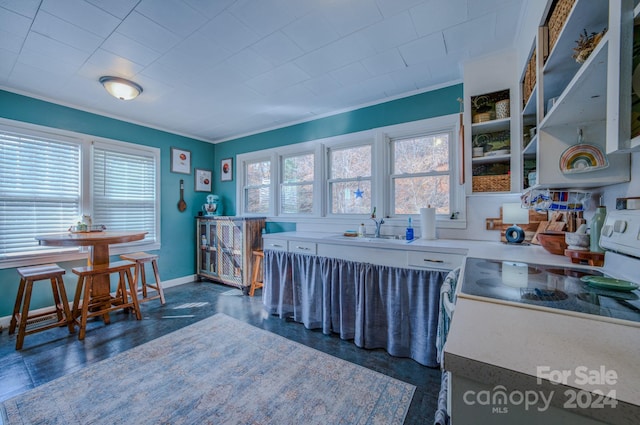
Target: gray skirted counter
{"x": 394, "y": 307}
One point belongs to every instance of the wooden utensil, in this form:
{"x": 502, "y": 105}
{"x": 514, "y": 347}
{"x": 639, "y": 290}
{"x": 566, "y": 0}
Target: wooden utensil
{"x": 181, "y": 204}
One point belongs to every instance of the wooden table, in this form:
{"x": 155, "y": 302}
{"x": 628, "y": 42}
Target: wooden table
{"x": 98, "y": 243}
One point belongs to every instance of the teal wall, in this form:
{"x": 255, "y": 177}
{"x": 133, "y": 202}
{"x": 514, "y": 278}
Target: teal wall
{"x": 177, "y": 253}
{"x": 177, "y": 229}
{"x": 430, "y": 104}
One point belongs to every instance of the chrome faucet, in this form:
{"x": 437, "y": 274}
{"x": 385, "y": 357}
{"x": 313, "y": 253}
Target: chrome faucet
{"x": 378, "y": 222}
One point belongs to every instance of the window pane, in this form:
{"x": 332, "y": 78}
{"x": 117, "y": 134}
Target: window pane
{"x": 421, "y": 154}
{"x": 257, "y": 200}
{"x": 344, "y": 200}
{"x": 39, "y": 190}
{"x": 351, "y": 162}
{"x": 258, "y": 173}
{"x": 297, "y": 199}
{"x": 124, "y": 190}
{"x": 413, "y": 193}
{"x": 298, "y": 169}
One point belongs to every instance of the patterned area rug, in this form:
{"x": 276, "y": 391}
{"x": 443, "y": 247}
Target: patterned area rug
{"x": 216, "y": 371}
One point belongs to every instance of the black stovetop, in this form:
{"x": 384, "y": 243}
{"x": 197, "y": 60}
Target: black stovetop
{"x": 543, "y": 286}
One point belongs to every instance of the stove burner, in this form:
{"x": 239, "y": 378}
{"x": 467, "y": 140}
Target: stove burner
{"x": 537, "y": 294}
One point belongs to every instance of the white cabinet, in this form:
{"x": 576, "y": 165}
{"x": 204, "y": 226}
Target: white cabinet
{"x": 573, "y": 97}
{"x": 623, "y": 79}
{"x": 491, "y": 142}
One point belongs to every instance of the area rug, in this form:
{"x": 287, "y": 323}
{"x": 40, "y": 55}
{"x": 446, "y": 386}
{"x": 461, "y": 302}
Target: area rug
{"x": 216, "y": 371}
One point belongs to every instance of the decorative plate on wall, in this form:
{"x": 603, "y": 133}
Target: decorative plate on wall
{"x": 582, "y": 158}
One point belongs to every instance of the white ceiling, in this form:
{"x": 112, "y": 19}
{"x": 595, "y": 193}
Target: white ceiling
{"x": 216, "y": 69}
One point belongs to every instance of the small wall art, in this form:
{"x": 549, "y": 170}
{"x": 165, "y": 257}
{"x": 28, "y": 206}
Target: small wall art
{"x": 203, "y": 180}
{"x": 180, "y": 161}
{"x": 226, "y": 169}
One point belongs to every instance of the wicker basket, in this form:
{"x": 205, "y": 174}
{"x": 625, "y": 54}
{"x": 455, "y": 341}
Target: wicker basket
{"x": 499, "y": 183}
{"x": 482, "y": 117}
{"x": 529, "y": 81}
{"x": 557, "y": 19}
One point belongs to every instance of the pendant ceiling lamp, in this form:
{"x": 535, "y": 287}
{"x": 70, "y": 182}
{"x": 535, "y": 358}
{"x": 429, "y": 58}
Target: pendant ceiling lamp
{"x": 120, "y": 88}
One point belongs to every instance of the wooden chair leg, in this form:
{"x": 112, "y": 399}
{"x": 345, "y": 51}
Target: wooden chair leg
{"x": 154, "y": 264}
{"x": 16, "y": 306}
{"x": 56, "y": 299}
{"x": 141, "y": 278}
{"x": 85, "y": 307}
{"x": 75, "y": 310}
{"x": 134, "y": 295}
{"x": 65, "y": 305}
{"x": 22, "y": 327}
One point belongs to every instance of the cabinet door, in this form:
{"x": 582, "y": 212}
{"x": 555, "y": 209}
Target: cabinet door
{"x": 230, "y": 250}
{"x": 207, "y": 247}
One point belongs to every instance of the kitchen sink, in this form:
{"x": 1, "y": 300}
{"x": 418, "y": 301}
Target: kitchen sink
{"x": 371, "y": 238}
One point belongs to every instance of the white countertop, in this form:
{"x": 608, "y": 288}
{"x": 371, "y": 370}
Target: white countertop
{"x": 521, "y": 339}
{"x": 477, "y": 249}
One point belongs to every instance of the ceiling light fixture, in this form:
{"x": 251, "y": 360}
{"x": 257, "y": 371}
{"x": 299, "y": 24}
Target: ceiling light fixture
{"x": 121, "y": 88}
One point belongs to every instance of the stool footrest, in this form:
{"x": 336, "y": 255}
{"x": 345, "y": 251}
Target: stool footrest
{"x": 112, "y": 267}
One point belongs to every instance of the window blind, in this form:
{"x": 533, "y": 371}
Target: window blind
{"x": 40, "y": 189}
{"x": 124, "y": 189}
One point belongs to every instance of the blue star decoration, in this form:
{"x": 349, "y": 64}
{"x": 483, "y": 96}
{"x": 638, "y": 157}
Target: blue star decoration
{"x": 358, "y": 193}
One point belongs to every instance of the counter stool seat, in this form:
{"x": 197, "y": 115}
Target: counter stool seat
{"x": 257, "y": 275}
{"x": 37, "y": 321}
{"x": 101, "y": 306}
{"x": 141, "y": 258}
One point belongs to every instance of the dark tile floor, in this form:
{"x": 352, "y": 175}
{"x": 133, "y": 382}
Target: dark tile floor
{"x": 54, "y": 353}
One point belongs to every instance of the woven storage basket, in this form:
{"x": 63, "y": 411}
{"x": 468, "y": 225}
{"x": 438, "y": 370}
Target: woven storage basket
{"x": 557, "y": 19}
{"x": 529, "y": 79}
{"x": 482, "y": 117}
{"x": 500, "y": 183}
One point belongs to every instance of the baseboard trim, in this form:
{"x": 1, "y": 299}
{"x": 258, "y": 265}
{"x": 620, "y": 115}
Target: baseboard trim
{"x": 5, "y": 321}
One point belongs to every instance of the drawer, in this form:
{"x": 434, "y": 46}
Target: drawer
{"x": 301, "y": 247}
{"x": 434, "y": 260}
{"x": 275, "y": 244}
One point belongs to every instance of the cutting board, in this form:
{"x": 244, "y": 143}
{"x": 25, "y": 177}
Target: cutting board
{"x": 548, "y": 226}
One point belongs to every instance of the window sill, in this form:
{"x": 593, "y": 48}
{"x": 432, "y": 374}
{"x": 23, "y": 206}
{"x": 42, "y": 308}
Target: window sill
{"x": 74, "y": 255}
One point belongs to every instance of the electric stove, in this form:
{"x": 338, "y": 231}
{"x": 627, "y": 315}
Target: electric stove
{"x": 566, "y": 290}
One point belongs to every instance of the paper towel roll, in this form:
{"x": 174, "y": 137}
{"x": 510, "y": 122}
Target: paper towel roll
{"x": 428, "y": 223}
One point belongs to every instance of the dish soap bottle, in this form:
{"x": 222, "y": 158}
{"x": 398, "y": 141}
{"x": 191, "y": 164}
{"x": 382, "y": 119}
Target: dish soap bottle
{"x": 361, "y": 231}
{"x": 596, "y": 229}
{"x": 409, "y": 232}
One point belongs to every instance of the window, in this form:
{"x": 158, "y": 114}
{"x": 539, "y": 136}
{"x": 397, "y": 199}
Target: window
{"x": 350, "y": 179}
{"x": 124, "y": 189}
{"x": 296, "y": 190}
{"x": 257, "y": 187}
{"x": 40, "y": 189}
{"x": 48, "y": 181}
{"x": 420, "y": 174}
{"x": 396, "y": 169}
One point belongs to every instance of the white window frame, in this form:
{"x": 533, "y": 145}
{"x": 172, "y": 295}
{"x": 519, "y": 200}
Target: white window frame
{"x": 61, "y": 254}
{"x": 242, "y": 187}
{"x": 451, "y": 160}
{"x": 338, "y": 144}
{"x": 381, "y": 172}
{"x": 281, "y": 158}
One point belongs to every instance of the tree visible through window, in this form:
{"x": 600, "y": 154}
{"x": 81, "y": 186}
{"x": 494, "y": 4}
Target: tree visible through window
{"x": 350, "y": 180}
{"x": 420, "y": 173}
{"x": 296, "y": 190}
{"x": 256, "y": 190}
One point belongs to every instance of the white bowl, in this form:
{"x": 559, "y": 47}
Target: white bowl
{"x": 577, "y": 241}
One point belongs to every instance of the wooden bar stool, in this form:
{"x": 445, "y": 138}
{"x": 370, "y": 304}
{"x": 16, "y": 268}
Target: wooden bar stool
{"x": 140, "y": 259}
{"x": 29, "y": 275}
{"x": 257, "y": 278}
{"x": 101, "y": 306}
